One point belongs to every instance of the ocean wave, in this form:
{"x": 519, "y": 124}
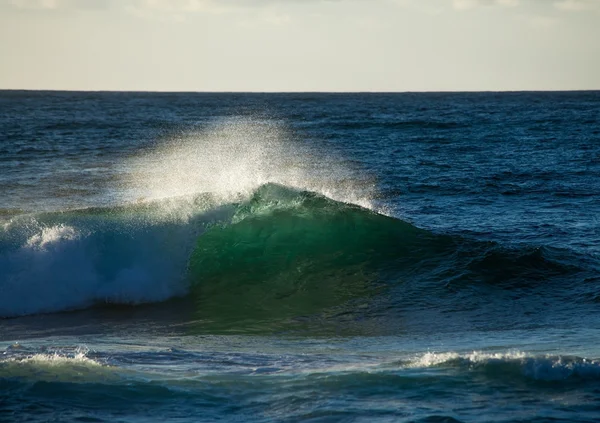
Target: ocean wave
{"x": 508, "y": 365}
{"x": 71, "y": 365}
{"x": 281, "y": 252}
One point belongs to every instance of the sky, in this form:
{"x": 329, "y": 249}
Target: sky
{"x": 300, "y": 45}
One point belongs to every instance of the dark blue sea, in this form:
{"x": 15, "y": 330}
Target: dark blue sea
{"x": 201, "y": 257}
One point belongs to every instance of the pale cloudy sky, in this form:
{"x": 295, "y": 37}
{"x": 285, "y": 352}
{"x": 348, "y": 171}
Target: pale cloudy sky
{"x": 300, "y": 45}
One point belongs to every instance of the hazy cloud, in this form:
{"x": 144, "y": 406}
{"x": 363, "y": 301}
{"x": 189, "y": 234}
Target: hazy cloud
{"x": 52, "y": 5}
{"x": 35, "y": 4}
{"x": 143, "y": 7}
{"x": 470, "y": 4}
{"x": 228, "y": 5}
{"x": 255, "y": 12}
{"x": 577, "y": 5}
{"x": 167, "y": 9}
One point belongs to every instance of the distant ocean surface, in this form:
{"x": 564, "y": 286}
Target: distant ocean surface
{"x": 197, "y": 257}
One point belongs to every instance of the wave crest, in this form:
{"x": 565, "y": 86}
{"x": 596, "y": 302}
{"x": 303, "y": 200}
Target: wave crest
{"x": 546, "y": 368}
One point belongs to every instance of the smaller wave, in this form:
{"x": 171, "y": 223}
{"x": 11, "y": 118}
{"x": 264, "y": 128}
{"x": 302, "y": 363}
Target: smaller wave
{"x": 547, "y": 368}
{"x": 518, "y": 268}
{"x": 52, "y": 365}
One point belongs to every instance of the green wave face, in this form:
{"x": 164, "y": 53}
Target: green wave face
{"x": 288, "y": 254}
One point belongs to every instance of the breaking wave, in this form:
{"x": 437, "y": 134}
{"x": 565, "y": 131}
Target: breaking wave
{"x": 282, "y": 252}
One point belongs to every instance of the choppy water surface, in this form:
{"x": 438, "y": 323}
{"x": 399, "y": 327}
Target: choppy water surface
{"x": 299, "y": 257}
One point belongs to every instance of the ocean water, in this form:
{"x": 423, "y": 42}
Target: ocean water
{"x": 417, "y": 257}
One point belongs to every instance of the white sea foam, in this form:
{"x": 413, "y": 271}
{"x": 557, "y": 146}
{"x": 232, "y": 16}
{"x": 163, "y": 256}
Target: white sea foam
{"x": 72, "y": 365}
{"x": 546, "y": 368}
{"x": 55, "y": 359}
{"x": 62, "y": 267}
{"x": 52, "y": 236}
{"x": 431, "y": 359}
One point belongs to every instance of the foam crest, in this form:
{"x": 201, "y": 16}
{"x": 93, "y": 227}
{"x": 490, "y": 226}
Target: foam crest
{"x": 70, "y": 365}
{"x": 52, "y": 236}
{"x": 55, "y": 359}
{"x": 431, "y": 359}
{"x": 542, "y": 368}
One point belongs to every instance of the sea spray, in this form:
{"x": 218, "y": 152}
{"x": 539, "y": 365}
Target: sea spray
{"x": 231, "y": 158}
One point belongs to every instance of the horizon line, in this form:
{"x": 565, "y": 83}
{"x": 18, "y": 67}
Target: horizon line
{"x": 301, "y": 92}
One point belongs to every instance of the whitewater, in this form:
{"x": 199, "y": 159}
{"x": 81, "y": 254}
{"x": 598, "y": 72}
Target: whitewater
{"x": 299, "y": 257}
